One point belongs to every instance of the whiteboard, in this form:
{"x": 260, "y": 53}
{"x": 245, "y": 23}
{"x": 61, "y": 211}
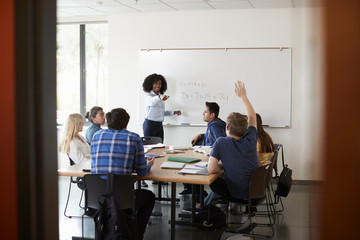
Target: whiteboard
{"x": 199, "y": 75}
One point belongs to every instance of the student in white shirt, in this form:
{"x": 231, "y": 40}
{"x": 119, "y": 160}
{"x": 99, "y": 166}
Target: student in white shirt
{"x": 72, "y": 142}
{"x": 154, "y": 87}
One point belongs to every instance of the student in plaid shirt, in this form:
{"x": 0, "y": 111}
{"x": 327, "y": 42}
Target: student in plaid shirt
{"x": 120, "y": 151}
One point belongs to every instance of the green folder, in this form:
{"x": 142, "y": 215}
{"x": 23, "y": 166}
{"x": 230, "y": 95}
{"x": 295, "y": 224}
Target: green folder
{"x": 184, "y": 159}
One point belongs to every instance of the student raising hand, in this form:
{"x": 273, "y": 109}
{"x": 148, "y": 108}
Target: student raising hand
{"x": 240, "y": 89}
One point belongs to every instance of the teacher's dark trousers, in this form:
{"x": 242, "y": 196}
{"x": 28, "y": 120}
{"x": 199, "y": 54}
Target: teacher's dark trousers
{"x": 153, "y": 129}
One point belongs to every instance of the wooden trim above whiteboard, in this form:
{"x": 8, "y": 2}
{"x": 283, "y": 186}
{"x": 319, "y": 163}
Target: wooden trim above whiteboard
{"x": 167, "y": 49}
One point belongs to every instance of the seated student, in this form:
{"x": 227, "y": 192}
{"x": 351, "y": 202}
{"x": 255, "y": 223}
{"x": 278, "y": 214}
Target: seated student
{"x": 120, "y": 151}
{"x": 214, "y": 130}
{"x": 97, "y": 118}
{"x": 237, "y": 153}
{"x": 215, "y": 127}
{"x": 265, "y": 146}
{"x": 72, "y": 142}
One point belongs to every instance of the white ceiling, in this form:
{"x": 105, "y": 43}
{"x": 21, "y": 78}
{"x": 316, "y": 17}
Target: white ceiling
{"x": 73, "y": 8}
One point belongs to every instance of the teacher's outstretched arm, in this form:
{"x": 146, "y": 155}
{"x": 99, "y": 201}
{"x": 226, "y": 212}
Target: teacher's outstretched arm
{"x": 240, "y": 91}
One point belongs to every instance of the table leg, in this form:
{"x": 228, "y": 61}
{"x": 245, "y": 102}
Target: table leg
{"x": 172, "y": 219}
{"x": 201, "y": 196}
{"x": 193, "y": 203}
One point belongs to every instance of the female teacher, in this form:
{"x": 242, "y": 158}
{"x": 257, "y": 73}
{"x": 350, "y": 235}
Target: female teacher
{"x": 154, "y": 87}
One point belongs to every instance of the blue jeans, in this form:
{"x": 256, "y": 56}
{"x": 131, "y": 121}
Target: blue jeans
{"x": 210, "y": 197}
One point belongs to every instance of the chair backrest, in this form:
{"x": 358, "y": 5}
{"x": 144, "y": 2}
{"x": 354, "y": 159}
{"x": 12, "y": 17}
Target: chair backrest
{"x": 272, "y": 164}
{"x": 257, "y": 188}
{"x": 147, "y": 140}
{"x": 71, "y": 161}
{"x": 97, "y": 184}
{"x": 274, "y": 159}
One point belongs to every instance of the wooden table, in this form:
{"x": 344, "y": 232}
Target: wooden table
{"x": 158, "y": 174}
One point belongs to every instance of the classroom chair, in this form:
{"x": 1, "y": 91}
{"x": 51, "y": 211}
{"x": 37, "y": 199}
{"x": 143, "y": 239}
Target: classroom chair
{"x": 147, "y": 140}
{"x": 257, "y": 195}
{"x": 121, "y": 186}
{"x": 79, "y": 182}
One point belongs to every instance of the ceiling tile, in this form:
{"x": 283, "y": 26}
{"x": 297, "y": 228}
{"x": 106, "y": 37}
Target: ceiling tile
{"x": 80, "y": 11}
{"x": 115, "y": 9}
{"x": 183, "y": 1}
{"x": 271, "y": 3}
{"x": 152, "y": 7}
{"x": 63, "y": 14}
{"x": 242, "y": 1}
{"x": 230, "y": 4}
{"x": 191, "y": 6}
{"x": 308, "y": 3}
{"x": 138, "y": 2}
{"x": 84, "y": 3}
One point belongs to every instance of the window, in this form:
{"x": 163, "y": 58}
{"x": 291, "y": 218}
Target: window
{"x": 82, "y": 71}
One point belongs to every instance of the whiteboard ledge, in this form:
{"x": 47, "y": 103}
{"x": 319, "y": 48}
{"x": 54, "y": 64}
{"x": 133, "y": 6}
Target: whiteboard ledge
{"x": 182, "y": 125}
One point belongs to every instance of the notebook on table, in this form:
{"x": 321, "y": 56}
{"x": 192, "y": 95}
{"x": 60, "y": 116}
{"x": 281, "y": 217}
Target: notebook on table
{"x": 153, "y": 155}
{"x": 184, "y": 159}
{"x": 175, "y": 165}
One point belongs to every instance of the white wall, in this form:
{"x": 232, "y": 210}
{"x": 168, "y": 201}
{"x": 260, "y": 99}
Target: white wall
{"x": 228, "y": 28}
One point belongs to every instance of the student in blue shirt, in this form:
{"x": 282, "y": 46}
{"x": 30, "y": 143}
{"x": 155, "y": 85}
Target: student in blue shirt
{"x": 237, "y": 153}
{"x": 154, "y": 87}
{"x": 120, "y": 151}
{"x": 96, "y": 117}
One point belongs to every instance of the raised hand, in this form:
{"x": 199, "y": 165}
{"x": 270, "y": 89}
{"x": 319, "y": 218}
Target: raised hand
{"x": 240, "y": 90}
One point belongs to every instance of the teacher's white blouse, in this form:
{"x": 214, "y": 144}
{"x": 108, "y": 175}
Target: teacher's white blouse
{"x": 155, "y": 108}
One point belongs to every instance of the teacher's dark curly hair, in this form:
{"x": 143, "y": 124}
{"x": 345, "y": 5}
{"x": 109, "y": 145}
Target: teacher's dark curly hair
{"x": 151, "y": 79}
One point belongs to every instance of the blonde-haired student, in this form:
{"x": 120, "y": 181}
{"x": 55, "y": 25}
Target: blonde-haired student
{"x": 72, "y": 142}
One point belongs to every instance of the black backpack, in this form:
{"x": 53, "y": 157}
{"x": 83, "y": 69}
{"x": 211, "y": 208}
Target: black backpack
{"x": 211, "y": 217}
{"x": 285, "y": 179}
{"x": 112, "y": 223}
{"x": 285, "y": 182}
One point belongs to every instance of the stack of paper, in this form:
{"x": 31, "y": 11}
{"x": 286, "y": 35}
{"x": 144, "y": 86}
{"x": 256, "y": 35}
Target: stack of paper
{"x": 198, "y": 168}
{"x": 147, "y": 148}
{"x": 203, "y": 149}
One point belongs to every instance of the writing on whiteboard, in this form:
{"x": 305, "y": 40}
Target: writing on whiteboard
{"x": 192, "y": 84}
{"x": 203, "y": 96}
{"x": 199, "y": 91}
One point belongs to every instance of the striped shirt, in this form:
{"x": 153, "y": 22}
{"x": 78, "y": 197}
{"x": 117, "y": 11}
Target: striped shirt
{"x": 119, "y": 152}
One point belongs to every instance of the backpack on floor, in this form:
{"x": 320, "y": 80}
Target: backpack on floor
{"x": 211, "y": 217}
